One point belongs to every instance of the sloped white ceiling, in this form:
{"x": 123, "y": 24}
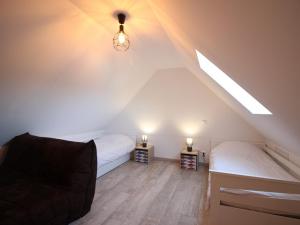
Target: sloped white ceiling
{"x": 256, "y": 42}
{"x": 59, "y": 71}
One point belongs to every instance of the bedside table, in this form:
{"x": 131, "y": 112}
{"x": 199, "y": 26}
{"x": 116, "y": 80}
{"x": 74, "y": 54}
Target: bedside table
{"x": 144, "y": 154}
{"x": 189, "y": 160}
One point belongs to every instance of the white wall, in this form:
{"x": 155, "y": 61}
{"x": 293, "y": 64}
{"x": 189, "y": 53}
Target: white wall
{"x": 255, "y": 42}
{"x": 59, "y": 73}
{"x": 173, "y": 105}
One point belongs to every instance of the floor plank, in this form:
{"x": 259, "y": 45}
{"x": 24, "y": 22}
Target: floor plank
{"x": 157, "y": 194}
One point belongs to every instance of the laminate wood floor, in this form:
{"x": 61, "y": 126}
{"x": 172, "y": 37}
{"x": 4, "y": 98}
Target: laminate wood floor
{"x": 157, "y": 194}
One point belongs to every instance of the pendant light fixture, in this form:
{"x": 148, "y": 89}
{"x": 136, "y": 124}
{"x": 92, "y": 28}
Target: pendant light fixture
{"x": 121, "y": 40}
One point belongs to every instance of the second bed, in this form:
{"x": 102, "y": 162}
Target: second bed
{"x": 249, "y": 187}
{"x": 112, "y": 151}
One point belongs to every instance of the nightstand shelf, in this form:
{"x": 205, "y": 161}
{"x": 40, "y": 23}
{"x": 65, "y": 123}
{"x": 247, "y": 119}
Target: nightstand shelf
{"x": 144, "y": 154}
{"x": 189, "y": 160}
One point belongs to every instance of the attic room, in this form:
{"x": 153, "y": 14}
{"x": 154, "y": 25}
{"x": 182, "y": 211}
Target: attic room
{"x": 149, "y": 112}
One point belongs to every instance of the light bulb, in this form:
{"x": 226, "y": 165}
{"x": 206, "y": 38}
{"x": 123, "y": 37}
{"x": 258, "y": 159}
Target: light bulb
{"x": 189, "y": 142}
{"x": 144, "y": 138}
{"x": 121, "y": 41}
{"x": 121, "y": 38}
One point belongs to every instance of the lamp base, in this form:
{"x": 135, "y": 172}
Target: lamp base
{"x": 189, "y": 149}
{"x": 144, "y": 145}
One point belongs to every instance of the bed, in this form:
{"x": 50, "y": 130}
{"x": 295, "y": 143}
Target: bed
{"x": 248, "y": 187}
{"x": 112, "y": 151}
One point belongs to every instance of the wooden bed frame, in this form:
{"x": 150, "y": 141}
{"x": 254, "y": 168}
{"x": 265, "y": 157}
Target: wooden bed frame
{"x": 233, "y": 209}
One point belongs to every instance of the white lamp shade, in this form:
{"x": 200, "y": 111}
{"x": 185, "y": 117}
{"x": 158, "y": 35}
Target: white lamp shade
{"x": 189, "y": 141}
{"x": 144, "y": 138}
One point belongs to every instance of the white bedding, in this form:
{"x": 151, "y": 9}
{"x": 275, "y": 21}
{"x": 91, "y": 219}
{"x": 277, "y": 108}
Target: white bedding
{"x": 246, "y": 159}
{"x": 112, "y": 147}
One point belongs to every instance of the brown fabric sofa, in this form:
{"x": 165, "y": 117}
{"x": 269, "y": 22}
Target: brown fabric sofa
{"x": 45, "y": 181}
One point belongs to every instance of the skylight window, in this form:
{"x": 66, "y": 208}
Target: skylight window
{"x": 240, "y": 94}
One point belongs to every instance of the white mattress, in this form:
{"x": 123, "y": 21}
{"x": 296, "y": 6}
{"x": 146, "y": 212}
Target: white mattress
{"x": 246, "y": 159}
{"x": 111, "y": 147}
{"x": 112, "y": 165}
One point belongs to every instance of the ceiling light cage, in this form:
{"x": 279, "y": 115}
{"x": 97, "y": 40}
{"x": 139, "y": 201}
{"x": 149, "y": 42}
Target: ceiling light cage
{"x": 121, "y": 40}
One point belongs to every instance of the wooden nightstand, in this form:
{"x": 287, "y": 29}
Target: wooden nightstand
{"x": 144, "y": 154}
{"x": 189, "y": 160}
